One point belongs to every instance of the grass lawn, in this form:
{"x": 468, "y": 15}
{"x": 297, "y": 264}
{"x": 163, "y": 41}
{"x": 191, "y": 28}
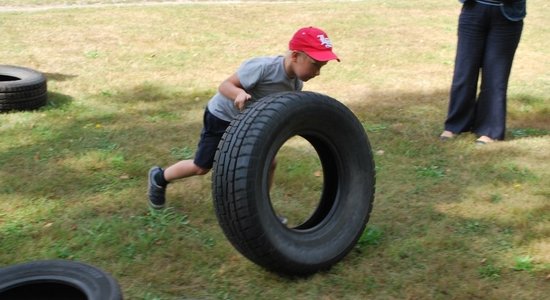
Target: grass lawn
{"x": 127, "y": 87}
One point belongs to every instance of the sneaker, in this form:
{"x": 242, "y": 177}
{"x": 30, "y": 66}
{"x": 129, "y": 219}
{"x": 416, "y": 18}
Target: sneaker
{"x": 156, "y": 193}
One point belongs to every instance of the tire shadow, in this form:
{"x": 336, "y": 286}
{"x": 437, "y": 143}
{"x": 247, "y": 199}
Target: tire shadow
{"x": 58, "y": 76}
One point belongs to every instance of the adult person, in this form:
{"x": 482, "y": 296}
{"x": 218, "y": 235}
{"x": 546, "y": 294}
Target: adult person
{"x": 489, "y": 32}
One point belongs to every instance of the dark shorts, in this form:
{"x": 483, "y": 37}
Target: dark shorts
{"x": 211, "y": 134}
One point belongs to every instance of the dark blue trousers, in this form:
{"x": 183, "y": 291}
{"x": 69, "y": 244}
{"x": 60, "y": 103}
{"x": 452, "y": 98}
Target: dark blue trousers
{"x": 487, "y": 42}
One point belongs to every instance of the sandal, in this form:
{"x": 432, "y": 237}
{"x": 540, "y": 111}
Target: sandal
{"x": 446, "y": 135}
{"x": 484, "y": 140}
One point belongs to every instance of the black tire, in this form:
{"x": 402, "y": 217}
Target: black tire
{"x": 240, "y": 182}
{"x": 57, "y": 279}
{"x": 21, "y": 88}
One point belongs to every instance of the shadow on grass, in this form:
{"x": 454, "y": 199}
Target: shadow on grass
{"x": 57, "y": 101}
{"x": 69, "y": 151}
{"x": 58, "y": 76}
{"x": 417, "y": 175}
{"x": 531, "y": 117}
{"x": 82, "y": 154}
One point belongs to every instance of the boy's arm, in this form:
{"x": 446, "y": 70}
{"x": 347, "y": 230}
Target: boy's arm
{"x": 232, "y": 89}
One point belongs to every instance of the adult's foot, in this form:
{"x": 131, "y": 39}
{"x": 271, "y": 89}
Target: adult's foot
{"x": 483, "y": 140}
{"x": 446, "y": 135}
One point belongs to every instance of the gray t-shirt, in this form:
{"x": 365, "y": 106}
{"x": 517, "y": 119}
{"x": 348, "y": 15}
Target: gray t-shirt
{"x": 259, "y": 77}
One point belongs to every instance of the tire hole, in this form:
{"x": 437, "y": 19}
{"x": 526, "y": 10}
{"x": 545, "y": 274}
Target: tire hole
{"x": 297, "y": 182}
{"x": 43, "y": 291}
{"x": 8, "y": 78}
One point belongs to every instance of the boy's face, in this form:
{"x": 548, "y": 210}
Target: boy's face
{"x": 306, "y": 67}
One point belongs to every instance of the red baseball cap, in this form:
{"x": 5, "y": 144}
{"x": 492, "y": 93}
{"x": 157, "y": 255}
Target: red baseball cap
{"x": 314, "y": 42}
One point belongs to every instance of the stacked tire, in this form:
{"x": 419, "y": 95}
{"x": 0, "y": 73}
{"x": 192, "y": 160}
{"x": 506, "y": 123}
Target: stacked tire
{"x": 21, "y": 88}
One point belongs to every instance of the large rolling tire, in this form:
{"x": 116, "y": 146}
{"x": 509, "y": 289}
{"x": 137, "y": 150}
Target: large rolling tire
{"x": 240, "y": 182}
{"x": 57, "y": 279}
{"x": 21, "y": 88}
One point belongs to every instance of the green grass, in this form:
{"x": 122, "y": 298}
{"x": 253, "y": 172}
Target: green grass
{"x": 127, "y": 87}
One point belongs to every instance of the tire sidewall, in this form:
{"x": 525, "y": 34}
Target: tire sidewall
{"x": 333, "y": 124}
{"x": 91, "y": 281}
{"x": 22, "y": 89}
{"x": 28, "y": 78}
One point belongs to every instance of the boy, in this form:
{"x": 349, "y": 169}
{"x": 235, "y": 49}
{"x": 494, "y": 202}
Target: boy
{"x": 309, "y": 50}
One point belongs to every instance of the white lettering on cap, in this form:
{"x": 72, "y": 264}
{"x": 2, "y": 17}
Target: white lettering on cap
{"x": 325, "y": 41}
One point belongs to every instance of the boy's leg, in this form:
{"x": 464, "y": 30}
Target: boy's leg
{"x": 272, "y": 172}
{"x": 213, "y": 129}
{"x": 183, "y": 169}
{"x": 159, "y": 179}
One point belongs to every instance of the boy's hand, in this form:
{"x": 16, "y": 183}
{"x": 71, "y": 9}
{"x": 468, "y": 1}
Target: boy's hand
{"x": 241, "y": 99}
{"x": 232, "y": 88}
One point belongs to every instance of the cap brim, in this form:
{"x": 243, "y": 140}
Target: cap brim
{"x": 322, "y": 55}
